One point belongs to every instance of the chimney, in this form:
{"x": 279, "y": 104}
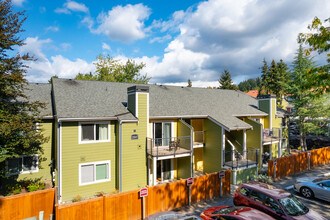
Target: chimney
{"x": 267, "y": 103}
{"x": 138, "y": 100}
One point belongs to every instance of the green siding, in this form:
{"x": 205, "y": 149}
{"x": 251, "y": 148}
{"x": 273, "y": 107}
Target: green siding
{"x": 131, "y": 103}
{"x": 253, "y": 137}
{"x": 212, "y": 150}
{"x": 44, "y": 172}
{"x": 183, "y": 130}
{"x": 134, "y": 163}
{"x": 245, "y": 175}
{"x": 183, "y": 167}
{"x": 74, "y": 153}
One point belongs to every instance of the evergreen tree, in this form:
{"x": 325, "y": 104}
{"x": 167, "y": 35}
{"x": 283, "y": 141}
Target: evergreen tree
{"x": 189, "y": 83}
{"x": 308, "y": 105}
{"x": 109, "y": 69}
{"x": 18, "y": 116}
{"x": 225, "y": 81}
{"x": 274, "y": 79}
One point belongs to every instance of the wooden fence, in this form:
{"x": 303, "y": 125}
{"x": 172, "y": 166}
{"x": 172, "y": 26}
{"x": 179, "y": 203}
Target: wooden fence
{"x": 296, "y": 163}
{"x": 160, "y": 198}
{"x": 27, "y": 205}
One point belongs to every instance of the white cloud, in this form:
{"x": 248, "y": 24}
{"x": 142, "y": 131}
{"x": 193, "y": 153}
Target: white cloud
{"x": 161, "y": 39}
{"x": 72, "y": 6}
{"x": 42, "y": 69}
{"x": 18, "y": 2}
{"x": 75, "y": 6}
{"x": 125, "y": 24}
{"x": 105, "y": 46}
{"x": 52, "y": 28}
{"x": 33, "y": 46}
{"x": 65, "y": 46}
{"x": 198, "y": 83}
{"x": 234, "y": 35}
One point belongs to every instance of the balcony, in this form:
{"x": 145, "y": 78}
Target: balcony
{"x": 244, "y": 159}
{"x": 271, "y": 136}
{"x": 169, "y": 147}
{"x": 198, "y": 139}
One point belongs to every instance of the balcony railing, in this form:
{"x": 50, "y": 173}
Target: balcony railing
{"x": 198, "y": 138}
{"x": 236, "y": 159}
{"x": 175, "y": 146}
{"x": 271, "y": 135}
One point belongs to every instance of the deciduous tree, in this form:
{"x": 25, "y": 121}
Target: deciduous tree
{"x": 18, "y": 116}
{"x": 109, "y": 69}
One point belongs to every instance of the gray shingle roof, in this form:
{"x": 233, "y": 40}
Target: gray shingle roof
{"x": 40, "y": 92}
{"x": 91, "y": 99}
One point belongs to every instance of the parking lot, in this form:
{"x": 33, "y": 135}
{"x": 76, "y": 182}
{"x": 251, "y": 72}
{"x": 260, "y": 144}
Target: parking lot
{"x": 322, "y": 207}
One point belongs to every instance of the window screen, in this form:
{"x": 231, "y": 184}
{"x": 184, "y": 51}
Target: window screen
{"x": 87, "y": 132}
{"x": 87, "y": 173}
{"x": 101, "y": 171}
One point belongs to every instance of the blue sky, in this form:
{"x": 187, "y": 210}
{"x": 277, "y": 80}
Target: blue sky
{"x": 178, "y": 40}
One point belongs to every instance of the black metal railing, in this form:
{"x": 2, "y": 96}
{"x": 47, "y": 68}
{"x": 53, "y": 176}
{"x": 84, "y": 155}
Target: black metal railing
{"x": 236, "y": 159}
{"x": 157, "y": 147}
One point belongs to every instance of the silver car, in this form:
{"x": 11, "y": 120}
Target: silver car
{"x": 310, "y": 187}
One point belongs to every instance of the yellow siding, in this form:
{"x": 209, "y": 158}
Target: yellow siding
{"x": 74, "y": 153}
{"x": 198, "y": 159}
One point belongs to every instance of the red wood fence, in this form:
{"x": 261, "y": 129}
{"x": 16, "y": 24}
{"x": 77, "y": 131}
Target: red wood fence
{"x": 27, "y": 205}
{"x": 298, "y": 162}
{"x": 128, "y": 205}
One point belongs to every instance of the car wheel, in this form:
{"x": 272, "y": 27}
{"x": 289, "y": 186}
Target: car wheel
{"x": 306, "y": 192}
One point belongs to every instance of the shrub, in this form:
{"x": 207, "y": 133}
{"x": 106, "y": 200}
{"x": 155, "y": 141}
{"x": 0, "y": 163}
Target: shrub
{"x": 17, "y": 189}
{"x": 32, "y": 187}
{"x": 263, "y": 179}
{"x": 77, "y": 198}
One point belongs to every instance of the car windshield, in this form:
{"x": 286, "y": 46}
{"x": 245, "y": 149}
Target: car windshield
{"x": 225, "y": 210}
{"x": 320, "y": 179}
{"x": 293, "y": 206}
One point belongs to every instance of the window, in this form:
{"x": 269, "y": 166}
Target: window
{"x": 257, "y": 196}
{"x": 272, "y": 204}
{"x": 245, "y": 191}
{"x": 94, "y": 132}
{"x": 22, "y": 165}
{"x": 94, "y": 172}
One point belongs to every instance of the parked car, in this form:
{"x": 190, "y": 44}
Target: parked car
{"x": 316, "y": 187}
{"x": 172, "y": 216}
{"x": 275, "y": 202}
{"x": 233, "y": 212}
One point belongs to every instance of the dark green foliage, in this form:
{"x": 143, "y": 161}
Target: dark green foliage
{"x": 311, "y": 108}
{"x": 109, "y": 69}
{"x": 225, "y": 81}
{"x": 274, "y": 79}
{"x": 18, "y": 135}
{"x": 189, "y": 83}
{"x": 249, "y": 84}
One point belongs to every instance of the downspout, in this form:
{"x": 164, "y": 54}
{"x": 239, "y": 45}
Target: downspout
{"x": 191, "y": 147}
{"x": 120, "y": 157}
{"x": 59, "y": 161}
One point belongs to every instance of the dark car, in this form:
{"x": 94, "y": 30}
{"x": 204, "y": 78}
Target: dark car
{"x": 232, "y": 212}
{"x": 274, "y": 201}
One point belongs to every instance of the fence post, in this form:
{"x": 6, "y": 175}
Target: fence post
{"x": 275, "y": 162}
{"x": 309, "y": 159}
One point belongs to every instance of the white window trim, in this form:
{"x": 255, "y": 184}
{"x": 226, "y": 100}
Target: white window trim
{"x": 95, "y": 163}
{"x": 94, "y": 141}
{"x": 24, "y": 172}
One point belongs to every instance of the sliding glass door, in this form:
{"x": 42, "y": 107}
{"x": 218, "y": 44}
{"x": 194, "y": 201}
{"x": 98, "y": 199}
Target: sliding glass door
{"x": 162, "y": 133}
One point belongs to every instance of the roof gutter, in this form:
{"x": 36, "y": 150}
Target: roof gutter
{"x": 87, "y": 119}
{"x": 183, "y": 116}
{"x": 250, "y": 115}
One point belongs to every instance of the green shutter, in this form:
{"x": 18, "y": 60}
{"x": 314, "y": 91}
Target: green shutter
{"x": 101, "y": 171}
